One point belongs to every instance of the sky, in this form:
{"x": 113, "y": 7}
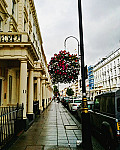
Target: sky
{"x": 58, "y": 19}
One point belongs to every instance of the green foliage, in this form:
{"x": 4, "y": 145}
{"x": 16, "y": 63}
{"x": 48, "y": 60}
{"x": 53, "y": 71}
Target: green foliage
{"x": 70, "y": 92}
{"x": 56, "y": 91}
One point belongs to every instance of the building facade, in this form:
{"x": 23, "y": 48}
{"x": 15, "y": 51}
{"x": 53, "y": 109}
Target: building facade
{"x": 107, "y": 73}
{"x": 24, "y": 76}
{"x": 91, "y": 81}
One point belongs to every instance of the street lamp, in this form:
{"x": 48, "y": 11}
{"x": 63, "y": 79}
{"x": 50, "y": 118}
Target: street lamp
{"x": 74, "y": 38}
{"x": 78, "y": 45}
{"x": 86, "y": 131}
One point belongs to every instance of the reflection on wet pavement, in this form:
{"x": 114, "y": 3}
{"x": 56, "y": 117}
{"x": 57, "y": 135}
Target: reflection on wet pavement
{"x": 54, "y": 129}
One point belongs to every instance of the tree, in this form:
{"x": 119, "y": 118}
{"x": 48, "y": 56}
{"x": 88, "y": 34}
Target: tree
{"x": 56, "y": 91}
{"x": 70, "y": 92}
{"x": 64, "y": 68}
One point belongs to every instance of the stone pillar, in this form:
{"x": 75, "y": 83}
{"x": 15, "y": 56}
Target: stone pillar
{"x": 30, "y": 93}
{"x": 41, "y": 96}
{"x": 48, "y": 96}
{"x": 23, "y": 85}
{"x": 38, "y": 91}
{"x": 44, "y": 93}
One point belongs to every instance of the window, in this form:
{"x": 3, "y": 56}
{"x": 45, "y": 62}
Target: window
{"x": 25, "y": 3}
{"x": 97, "y": 103}
{"x": 33, "y": 37}
{"x": 105, "y": 103}
{"x": 110, "y": 104}
{"x": 13, "y": 7}
{"x": 24, "y": 25}
{"x": 115, "y": 72}
{"x": 77, "y": 101}
{"x": 0, "y": 23}
{"x": 118, "y": 104}
{"x": 29, "y": 15}
{"x": 10, "y": 88}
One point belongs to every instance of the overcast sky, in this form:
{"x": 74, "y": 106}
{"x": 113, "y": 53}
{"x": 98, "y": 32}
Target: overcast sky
{"x": 58, "y": 19}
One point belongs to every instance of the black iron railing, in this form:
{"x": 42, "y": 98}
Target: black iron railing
{"x": 10, "y": 126}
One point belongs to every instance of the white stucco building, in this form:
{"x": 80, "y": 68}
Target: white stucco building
{"x": 24, "y": 76}
{"x": 107, "y": 73}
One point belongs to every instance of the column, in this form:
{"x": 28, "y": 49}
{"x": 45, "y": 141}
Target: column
{"x": 23, "y": 86}
{"x": 38, "y": 90}
{"x": 44, "y": 93}
{"x": 41, "y": 96}
{"x": 30, "y": 93}
{"x": 46, "y": 96}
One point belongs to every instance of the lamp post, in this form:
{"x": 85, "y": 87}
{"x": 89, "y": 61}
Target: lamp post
{"x": 86, "y": 131}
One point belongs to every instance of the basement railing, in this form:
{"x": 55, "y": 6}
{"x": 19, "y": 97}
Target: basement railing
{"x": 10, "y": 123}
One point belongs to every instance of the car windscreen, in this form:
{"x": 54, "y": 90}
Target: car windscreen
{"x": 77, "y": 101}
{"x": 70, "y": 101}
{"x": 66, "y": 98}
{"x": 90, "y": 106}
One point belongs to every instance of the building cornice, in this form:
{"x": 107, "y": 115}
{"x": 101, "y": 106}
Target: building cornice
{"x": 33, "y": 10}
{"x": 108, "y": 59}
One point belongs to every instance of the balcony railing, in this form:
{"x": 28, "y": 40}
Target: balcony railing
{"x": 13, "y": 37}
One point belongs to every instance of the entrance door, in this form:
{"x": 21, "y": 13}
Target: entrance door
{"x": 0, "y": 90}
{"x": 10, "y": 89}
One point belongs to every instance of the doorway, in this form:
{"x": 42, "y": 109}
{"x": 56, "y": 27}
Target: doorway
{"x": 0, "y": 90}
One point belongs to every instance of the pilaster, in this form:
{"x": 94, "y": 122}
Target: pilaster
{"x": 30, "y": 93}
{"x": 23, "y": 85}
{"x": 44, "y": 93}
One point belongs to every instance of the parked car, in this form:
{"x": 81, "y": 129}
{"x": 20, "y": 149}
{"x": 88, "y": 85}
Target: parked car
{"x": 74, "y": 104}
{"x": 105, "y": 119}
{"x": 90, "y": 107}
{"x": 65, "y": 101}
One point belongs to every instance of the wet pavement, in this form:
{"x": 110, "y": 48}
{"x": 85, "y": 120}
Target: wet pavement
{"x": 55, "y": 129}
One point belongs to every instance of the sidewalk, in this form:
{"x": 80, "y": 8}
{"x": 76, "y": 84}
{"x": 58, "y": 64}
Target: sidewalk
{"x": 56, "y": 129}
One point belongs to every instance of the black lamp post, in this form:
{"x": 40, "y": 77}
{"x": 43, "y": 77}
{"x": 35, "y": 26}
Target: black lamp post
{"x": 86, "y": 131}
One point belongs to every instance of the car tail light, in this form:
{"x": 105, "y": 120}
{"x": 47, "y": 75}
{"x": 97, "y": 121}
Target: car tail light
{"x": 74, "y": 104}
{"x": 118, "y": 133}
{"x": 118, "y": 128}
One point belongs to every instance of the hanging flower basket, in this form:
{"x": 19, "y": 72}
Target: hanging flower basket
{"x": 64, "y": 68}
